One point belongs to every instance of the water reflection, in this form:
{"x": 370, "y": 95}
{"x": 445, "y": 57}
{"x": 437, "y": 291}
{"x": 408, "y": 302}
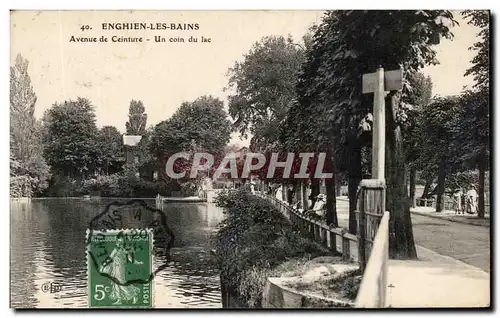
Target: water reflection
{"x": 48, "y": 245}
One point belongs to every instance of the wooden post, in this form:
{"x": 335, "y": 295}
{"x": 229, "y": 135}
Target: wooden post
{"x": 345, "y": 246}
{"x": 303, "y": 188}
{"x": 378, "y": 83}
{"x": 378, "y": 141}
{"x": 361, "y": 232}
{"x": 371, "y": 207}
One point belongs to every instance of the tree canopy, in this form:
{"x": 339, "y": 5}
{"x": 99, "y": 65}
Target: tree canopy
{"x": 71, "y": 138}
{"x": 137, "y": 118}
{"x": 263, "y": 85}
{"x": 29, "y": 171}
{"x": 331, "y": 107}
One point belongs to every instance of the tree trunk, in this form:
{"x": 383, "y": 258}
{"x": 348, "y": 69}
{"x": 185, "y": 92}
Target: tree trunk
{"x": 338, "y": 184}
{"x": 441, "y": 185}
{"x": 331, "y": 202}
{"x": 401, "y": 242}
{"x": 289, "y": 194}
{"x": 353, "y": 184}
{"x": 314, "y": 191}
{"x": 297, "y": 197}
{"x": 413, "y": 177}
{"x": 303, "y": 189}
{"x": 427, "y": 187}
{"x": 480, "y": 211}
{"x": 284, "y": 192}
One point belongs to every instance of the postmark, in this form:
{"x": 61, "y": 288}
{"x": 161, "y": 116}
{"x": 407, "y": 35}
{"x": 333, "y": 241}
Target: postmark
{"x": 119, "y": 275}
{"x": 121, "y": 241}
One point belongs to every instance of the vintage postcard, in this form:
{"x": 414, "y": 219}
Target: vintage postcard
{"x": 250, "y": 159}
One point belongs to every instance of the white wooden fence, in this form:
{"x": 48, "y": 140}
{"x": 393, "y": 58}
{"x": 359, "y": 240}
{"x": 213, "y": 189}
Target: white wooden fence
{"x": 373, "y": 289}
{"x": 335, "y": 239}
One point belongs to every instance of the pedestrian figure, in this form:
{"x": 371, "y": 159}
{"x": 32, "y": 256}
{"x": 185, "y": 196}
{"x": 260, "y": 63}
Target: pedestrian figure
{"x": 472, "y": 200}
{"x": 457, "y": 201}
{"x": 319, "y": 207}
{"x": 290, "y": 194}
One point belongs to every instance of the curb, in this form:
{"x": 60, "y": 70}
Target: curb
{"x": 438, "y": 217}
{"x": 454, "y": 260}
{"x": 449, "y": 219}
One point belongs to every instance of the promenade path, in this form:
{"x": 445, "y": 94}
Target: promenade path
{"x": 452, "y": 270}
{"x": 435, "y": 280}
{"x": 464, "y": 242}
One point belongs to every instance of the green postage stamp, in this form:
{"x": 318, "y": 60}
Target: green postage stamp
{"x": 119, "y": 268}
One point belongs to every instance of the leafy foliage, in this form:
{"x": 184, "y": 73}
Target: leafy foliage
{"x": 481, "y": 62}
{"x": 199, "y": 126}
{"x": 71, "y": 138}
{"x": 417, "y": 98}
{"x": 331, "y": 110}
{"x": 29, "y": 171}
{"x": 438, "y": 127}
{"x": 124, "y": 184}
{"x": 137, "y": 118}
{"x": 254, "y": 238}
{"x": 264, "y": 88}
{"x": 111, "y": 149}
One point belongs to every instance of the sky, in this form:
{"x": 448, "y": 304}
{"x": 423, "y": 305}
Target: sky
{"x": 163, "y": 75}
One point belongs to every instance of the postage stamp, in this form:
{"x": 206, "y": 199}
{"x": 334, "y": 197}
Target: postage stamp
{"x": 119, "y": 269}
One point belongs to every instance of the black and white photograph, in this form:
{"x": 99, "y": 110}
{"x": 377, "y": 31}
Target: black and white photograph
{"x": 250, "y": 159}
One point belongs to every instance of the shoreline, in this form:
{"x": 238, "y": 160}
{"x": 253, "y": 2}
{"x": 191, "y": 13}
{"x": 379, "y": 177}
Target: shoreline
{"x": 179, "y": 199}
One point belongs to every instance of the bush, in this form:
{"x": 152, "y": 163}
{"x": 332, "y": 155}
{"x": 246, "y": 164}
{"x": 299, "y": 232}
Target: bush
{"x": 62, "y": 186}
{"x": 21, "y": 186}
{"x": 124, "y": 185}
{"x": 255, "y": 238}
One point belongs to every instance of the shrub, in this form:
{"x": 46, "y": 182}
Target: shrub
{"x": 21, "y": 186}
{"x": 254, "y": 239}
{"x": 62, "y": 186}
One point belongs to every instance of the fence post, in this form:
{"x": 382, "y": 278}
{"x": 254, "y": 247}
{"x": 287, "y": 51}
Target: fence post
{"x": 361, "y": 231}
{"x": 371, "y": 207}
{"x": 345, "y": 246}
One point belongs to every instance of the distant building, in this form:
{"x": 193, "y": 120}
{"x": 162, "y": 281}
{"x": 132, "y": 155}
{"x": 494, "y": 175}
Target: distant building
{"x": 130, "y": 145}
{"x": 134, "y": 155}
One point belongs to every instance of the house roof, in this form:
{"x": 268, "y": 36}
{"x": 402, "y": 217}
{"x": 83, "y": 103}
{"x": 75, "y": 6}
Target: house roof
{"x": 131, "y": 140}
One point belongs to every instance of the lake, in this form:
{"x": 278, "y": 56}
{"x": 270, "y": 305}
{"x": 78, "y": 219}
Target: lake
{"x": 48, "y": 246}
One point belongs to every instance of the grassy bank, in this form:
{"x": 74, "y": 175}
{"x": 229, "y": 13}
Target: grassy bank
{"x": 254, "y": 242}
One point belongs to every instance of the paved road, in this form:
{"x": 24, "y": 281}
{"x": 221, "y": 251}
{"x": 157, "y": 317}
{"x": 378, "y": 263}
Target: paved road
{"x": 467, "y": 243}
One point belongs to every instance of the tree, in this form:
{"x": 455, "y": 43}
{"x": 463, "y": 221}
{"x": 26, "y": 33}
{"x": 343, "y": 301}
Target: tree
{"x": 28, "y": 166}
{"x": 418, "y": 96}
{"x": 200, "y": 126}
{"x": 111, "y": 149}
{"x": 439, "y": 123}
{"x": 472, "y": 135}
{"x": 480, "y": 68}
{"x": 137, "y": 119}
{"x": 72, "y": 139}
{"x": 263, "y": 87}
{"x": 475, "y": 114}
{"x": 348, "y": 44}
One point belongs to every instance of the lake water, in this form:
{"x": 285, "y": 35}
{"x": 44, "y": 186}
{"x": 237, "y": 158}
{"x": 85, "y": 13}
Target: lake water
{"x": 48, "y": 246}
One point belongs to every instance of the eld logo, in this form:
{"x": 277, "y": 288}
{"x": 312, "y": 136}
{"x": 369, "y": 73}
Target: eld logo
{"x": 51, "y": 287}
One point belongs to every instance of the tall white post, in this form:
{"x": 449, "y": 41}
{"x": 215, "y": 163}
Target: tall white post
{"x": 378, "y": 143}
